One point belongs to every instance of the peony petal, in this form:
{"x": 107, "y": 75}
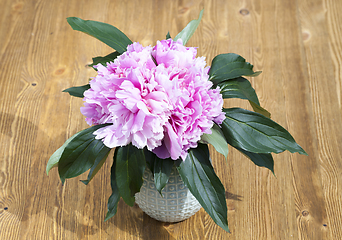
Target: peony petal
{"x": 165, "y": 107}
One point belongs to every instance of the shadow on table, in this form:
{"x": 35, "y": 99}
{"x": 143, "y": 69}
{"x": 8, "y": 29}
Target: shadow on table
{"x": 72, "y": 209}
{"x": 45, "y": 199}
{"x": 31, "y": 196}
{"x": 232, "y": 196}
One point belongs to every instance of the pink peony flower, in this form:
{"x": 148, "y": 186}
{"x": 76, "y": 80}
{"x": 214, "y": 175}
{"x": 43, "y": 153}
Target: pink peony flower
{"x": 165, "y": 107}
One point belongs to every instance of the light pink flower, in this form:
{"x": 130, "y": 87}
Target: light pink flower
{"x": 165, "y": 107}
{"x": 174, "y": 54}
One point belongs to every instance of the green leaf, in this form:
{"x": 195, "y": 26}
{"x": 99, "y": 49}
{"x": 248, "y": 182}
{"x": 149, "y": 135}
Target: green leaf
{"x": 229, "y": 66}
{"x": 260, "y": 159}
{"x": 77, "y": 91}
{"x": 199, "y": 176}
{"x": 115, "y": 197}
{"x": 104, "y": 32}
{"x": 256, "y": 133}
{"x": 99, "y": 161}
{"x": 104, "y": 60}
{"x": 154, "y": 60}
{"x": 189, "y": 30}
{"x": 241, "y": 88}
{"x": 161, "y": 172}
{"x": 217, "y": 139}
{"x": 54, "y": 159}
{"x": 149, "y": 158}
{"x": 80, "y": 154}
{"x": 238, "y": 88}
{"x": 160, "y": 168}
{"x": 130, "y": 167}
{"x": 168, "y": 35}
{"x": 257, "y": 108}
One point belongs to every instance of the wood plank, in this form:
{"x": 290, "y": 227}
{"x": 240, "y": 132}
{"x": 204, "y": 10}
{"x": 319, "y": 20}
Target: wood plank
{"x": 297, "y": 45}
{"x": 315, "y": 28}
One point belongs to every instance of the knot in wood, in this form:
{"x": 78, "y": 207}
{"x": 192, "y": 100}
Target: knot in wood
{"x": 244, "y": 12}
{"x": 305, "y": 213}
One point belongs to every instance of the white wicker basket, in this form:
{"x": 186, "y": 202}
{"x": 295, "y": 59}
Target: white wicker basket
{"x": 176, "y": 204}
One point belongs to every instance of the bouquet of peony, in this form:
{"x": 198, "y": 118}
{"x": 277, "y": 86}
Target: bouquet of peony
{"x": 159, "y": 107}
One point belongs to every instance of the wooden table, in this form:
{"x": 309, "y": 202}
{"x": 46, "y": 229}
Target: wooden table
{"x": 297, "y": 45}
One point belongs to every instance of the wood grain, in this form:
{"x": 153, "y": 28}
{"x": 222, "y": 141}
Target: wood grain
{"x": 297, "y": 45}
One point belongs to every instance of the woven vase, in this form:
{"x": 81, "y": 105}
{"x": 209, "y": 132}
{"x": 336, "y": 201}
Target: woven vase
{"x": 176, "y": 204}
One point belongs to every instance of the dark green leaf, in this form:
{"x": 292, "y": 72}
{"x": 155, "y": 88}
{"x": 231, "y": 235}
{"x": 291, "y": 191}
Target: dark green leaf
{"x": 230, "y": 66}
{"x": 149, "y": 158}
{"x": 104, "y": 60}
{"x": 104, "y": 32}
{"x": 55, "y": 157}
{"x": 168, "y": 35}
{"x": 256, "y": 133}
{"x": 77, "y": 91}
{"x": 154, "y": 60}
{"x": 238, "y": 88}
{"x": 99, "y": 161}
{"x": 217, "y": 139}
{"x": 115, "y": 197}
{"x": 199, "y": 176}
{"x": 161, "y": 172}
{"x": 160, "y": 168}
{"x": 241, "y": 88}
{"x": 189, "y": 30}
{"x": 130, "y": 167}
{"x": 260, "y": 159}
{"x": 257, "y": 108}
{"x": 80, "y": 153}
